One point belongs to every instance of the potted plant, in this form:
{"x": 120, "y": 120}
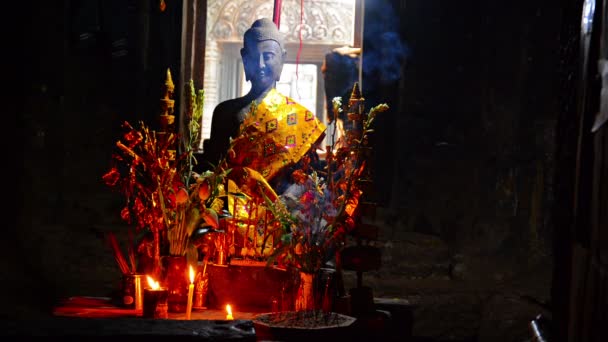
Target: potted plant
{"x": 316, "y": 213}
{"x": 164, "y": 198}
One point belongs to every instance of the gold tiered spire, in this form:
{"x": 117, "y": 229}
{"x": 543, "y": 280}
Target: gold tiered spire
{"x": 356, "y": 105}
{"x": 167, "y": 119}
{"x": 355, "y": 114}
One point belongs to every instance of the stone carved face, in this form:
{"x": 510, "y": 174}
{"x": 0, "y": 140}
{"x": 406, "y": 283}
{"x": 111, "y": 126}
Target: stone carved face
{"x": 263, "y": 63}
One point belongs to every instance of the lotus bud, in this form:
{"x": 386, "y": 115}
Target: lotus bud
{"x": 211, "y": 218}
{"x": 299, "y": 249}
{"x": 204, "y": 191}
{"x": 182, "y": 196}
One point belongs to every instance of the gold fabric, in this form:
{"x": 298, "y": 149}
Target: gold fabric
{"x": 277, "y": 133}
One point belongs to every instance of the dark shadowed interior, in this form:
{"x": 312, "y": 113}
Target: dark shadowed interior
{"x": 490, "y": 182}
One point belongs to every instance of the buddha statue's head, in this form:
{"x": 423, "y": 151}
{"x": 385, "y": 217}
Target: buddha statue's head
{"x": 263, "y": 54}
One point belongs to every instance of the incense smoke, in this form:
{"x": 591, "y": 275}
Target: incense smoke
{"x": 383, "y": 51}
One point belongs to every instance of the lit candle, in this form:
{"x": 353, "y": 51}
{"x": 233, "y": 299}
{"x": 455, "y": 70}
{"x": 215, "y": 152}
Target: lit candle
{"x": 155, "y": 300}
{"x": 190, "y": 294}
{"x": 229, "y": 311}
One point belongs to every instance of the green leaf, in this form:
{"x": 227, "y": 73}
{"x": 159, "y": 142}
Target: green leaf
{"x": 193, "y": 220}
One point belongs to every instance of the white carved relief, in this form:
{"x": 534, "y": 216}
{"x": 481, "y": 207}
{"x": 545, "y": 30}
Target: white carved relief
{"x": 323, "y": 22}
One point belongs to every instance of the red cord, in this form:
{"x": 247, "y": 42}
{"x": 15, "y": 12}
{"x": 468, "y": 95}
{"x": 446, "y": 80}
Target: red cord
{"x": 276, "y": 15}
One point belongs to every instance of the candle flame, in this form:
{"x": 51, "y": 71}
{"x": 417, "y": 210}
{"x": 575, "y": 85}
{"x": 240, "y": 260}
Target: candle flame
{"x": 228, "y": 312}
{"x": 191, "y": 275}
{"x": 152, "y": 283}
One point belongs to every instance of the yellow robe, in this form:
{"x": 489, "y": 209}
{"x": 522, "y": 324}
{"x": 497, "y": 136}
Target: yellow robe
{"x": 277, "y": 133}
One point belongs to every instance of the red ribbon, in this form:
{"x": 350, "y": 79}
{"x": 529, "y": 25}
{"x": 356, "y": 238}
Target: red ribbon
{"x": 276, "y": 15}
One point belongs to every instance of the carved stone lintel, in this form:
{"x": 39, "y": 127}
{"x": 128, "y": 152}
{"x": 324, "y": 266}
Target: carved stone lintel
{"x": 323, "y": 22}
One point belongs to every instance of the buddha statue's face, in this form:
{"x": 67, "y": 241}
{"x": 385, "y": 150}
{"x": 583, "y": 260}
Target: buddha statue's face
{"x": 263, "y": 63}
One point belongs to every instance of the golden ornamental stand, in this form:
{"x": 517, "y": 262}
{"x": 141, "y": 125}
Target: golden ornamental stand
{"x": 167, "y": 118}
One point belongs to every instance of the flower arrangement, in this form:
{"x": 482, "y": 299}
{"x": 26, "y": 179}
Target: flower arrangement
{"x": 308, "y": 209}
{"x": 164, "y": 198}
{"x": 316, "y": 213}
{"x": 167, "y": 202}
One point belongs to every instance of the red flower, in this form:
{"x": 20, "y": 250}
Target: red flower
{"x": 139, "y": 208}
{"x": 299, "y": 176}
{"x": 125, "y": 214}
{"x": 182, "y": 196}
{"x": 204, "y": 191}
{"x": 132, "y": 137}
{"x": 112, "y": 177}
{"x": 349, "y": 223}
{"x": 170, "y": 200}
{"x": 307, "y": 197}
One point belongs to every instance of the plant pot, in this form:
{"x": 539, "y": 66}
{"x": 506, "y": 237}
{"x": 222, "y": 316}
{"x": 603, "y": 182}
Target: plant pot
{"x": 175, "y": 271}
{"x": 249, "y": 287}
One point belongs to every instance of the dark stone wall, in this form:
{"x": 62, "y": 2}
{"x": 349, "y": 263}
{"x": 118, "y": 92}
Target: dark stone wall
{"x": 463, "y": 164}
{"x": 469, "y": 140}
{"x": 87, "y": 66}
